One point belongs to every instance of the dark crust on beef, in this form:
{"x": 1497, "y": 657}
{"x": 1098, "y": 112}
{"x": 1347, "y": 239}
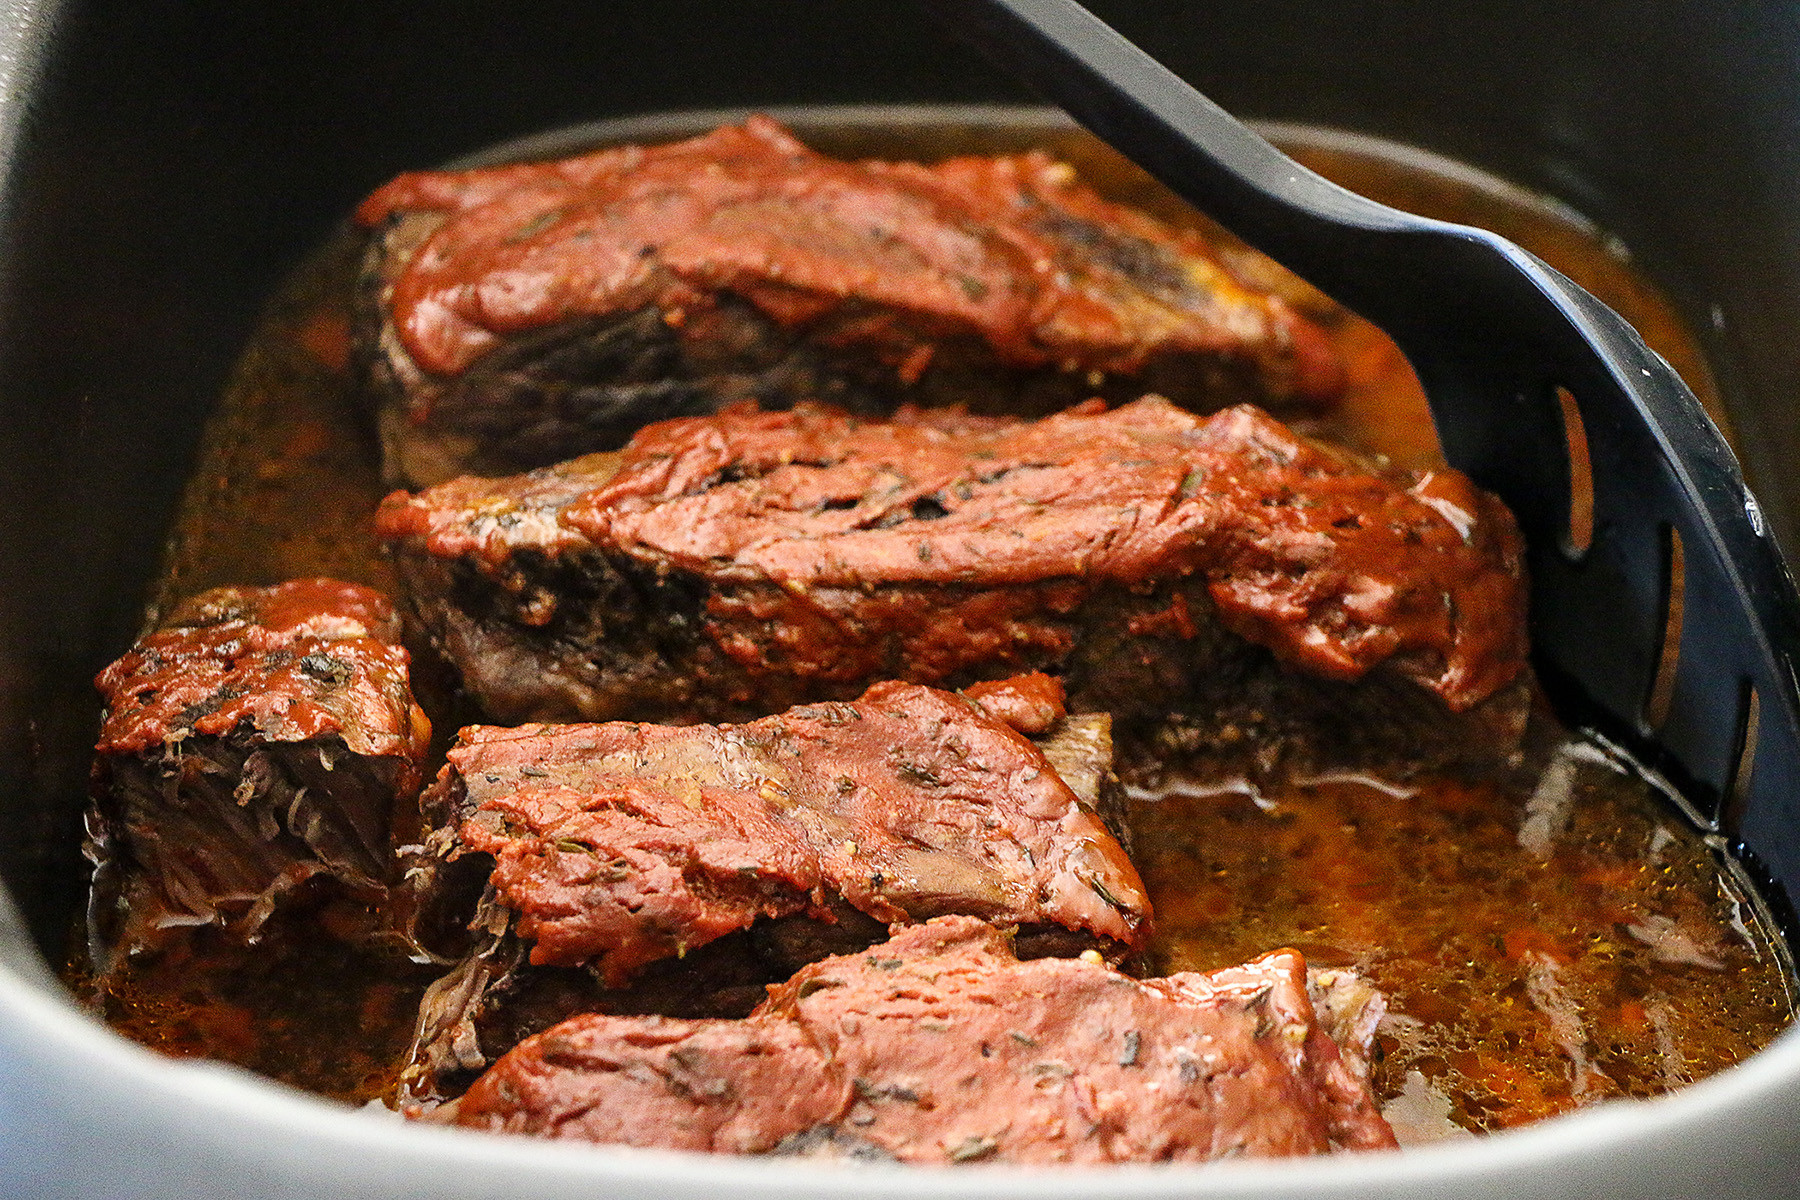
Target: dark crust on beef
{"x": 255, "y": 742}
{"x": 1067, "y": 890}
{"x": 1058, "y": 296}
{"x": 940, "y": 1047}
{"x": 619, "y": 585}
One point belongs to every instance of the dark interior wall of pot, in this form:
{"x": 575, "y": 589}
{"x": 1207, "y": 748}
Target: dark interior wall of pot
{"x": 175, "y": 158}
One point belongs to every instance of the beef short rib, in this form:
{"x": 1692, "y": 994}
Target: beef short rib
{"x": 256, "y": 741}
{"x": 941, "y": 1047}
{"x": 511, "y": 317}
{"x": 721, "y": 858}
{"x": 1223, "y": 575}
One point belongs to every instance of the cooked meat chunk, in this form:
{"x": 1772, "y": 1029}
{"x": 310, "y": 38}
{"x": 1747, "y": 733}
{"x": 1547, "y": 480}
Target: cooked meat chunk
{"x": 609, "y": 848}
{"x": 941, "y": 1047}
{"x": 257, "y": 740}
{"x": 621, "y": 844}
{"x": 1221, "y": 571}
{"x": 515, "y": 316}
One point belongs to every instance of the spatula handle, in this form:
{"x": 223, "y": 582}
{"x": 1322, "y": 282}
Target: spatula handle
{"x": 1153, "y": 117}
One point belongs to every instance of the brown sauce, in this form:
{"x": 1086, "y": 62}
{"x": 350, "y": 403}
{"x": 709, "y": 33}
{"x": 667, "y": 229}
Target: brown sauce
{"x": 1546, "y": 940}
{"x": 1526, "y": 975}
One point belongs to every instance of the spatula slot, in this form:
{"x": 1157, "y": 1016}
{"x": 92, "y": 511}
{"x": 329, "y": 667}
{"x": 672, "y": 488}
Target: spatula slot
{"x": 1579, "y": 534}
{"x": 1674, "y": 580}
{"x": 1737, "y": 792}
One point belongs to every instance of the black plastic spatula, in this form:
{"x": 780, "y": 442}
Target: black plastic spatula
{"x": 1493, "y": 334}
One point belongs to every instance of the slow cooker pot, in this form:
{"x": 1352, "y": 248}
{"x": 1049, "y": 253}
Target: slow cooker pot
{"x": 165, "y": 164}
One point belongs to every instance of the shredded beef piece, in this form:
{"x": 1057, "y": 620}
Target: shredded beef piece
{"x": 939, "y": 1046}
{"x": 257, "y": 740}
{"x": 608, "y": 849}
{"x": 1221, "y": 571}
{"x": 514, "y": 316}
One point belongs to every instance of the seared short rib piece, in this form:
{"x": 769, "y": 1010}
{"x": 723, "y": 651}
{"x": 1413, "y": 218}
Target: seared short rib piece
{"x": 257, "y": 740}
{"x": 1246, "y": 587}
{"x": 940, "y": 1046}
{"x": 515, "y": 316}
{"x": 731, "y": 855}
